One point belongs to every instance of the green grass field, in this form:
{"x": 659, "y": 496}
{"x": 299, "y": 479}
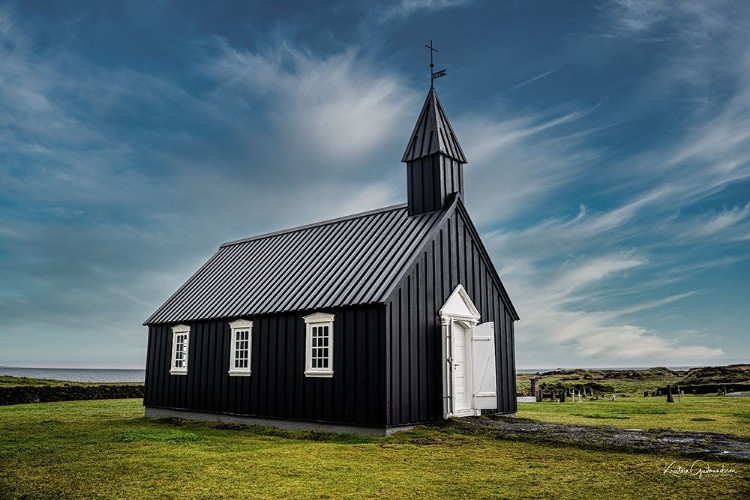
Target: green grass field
{"x": 727, "y": 415}
{"x": 106, "y": 449}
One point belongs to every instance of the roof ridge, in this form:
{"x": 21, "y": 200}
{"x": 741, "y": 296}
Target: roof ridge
{"x": 315, "y": 224}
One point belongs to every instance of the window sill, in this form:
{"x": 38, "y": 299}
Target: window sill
{"x": 178, "y": 372}
{"x": 238, "y": 374}
{"x": 311, "y": 373}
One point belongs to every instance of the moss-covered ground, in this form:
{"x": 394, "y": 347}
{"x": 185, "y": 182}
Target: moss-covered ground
{"x": 633, "y": 381}
{"x": 8, "y": 381}
{"x": 106, "y": 449}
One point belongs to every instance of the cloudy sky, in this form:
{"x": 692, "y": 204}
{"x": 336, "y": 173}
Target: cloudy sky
{"x": 608, "y": 147}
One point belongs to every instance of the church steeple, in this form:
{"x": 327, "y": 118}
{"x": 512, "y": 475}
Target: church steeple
{"x": 434, "y": 160}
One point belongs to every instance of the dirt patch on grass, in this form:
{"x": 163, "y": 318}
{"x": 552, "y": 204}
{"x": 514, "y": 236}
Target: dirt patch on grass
{"x": 726, "y": 446}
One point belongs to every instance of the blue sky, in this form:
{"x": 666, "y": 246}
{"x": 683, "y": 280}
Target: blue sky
{"x": 608, "y": 146}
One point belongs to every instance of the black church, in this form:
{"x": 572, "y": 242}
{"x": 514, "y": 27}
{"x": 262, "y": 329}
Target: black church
{"x": 372, "y": 323}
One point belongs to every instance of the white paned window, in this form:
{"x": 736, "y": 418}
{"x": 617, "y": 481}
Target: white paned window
{"x": 180, "y": 348}
{"x": 319, "y": 345}
{"x": 240, "y": 347}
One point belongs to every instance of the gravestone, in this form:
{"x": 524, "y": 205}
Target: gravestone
{"x": 670, "y": 399}
{"x": 535, "y": 390}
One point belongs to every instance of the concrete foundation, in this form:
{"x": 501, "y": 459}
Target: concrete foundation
{"x": 291, "y": 425}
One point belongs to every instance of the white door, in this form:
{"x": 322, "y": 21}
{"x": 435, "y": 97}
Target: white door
{"x": 483, "y": 359}
{"x": 460, "y": 385}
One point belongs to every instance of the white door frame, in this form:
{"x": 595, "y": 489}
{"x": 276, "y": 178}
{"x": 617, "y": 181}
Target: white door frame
{"x": 458, "y": 310}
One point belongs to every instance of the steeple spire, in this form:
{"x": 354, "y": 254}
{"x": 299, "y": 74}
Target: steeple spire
{"x": 433, "y": 133}
{"x": 434, "y": 159}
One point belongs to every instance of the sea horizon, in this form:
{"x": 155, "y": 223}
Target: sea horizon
{"x": 100, "y": 375}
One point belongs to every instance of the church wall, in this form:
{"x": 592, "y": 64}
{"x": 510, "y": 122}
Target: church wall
{"x": 413, "y": 332}
{"x": 277, "y": 386}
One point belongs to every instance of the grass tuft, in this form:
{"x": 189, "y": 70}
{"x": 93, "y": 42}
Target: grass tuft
{"x": 154, "y": 435}
{"x": 607, "y": 417}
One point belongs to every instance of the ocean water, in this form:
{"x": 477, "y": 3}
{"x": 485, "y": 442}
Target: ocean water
{"x": 542, "y": 370}
{"x": 78, "y": 374}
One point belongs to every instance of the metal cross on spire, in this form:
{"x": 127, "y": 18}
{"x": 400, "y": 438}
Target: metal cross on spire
{"x": 434, "y": 74}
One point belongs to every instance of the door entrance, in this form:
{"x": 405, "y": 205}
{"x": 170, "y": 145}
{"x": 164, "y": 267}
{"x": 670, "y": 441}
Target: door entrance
{"x": 460, "y": 392}
{"x": 469, "y": 358}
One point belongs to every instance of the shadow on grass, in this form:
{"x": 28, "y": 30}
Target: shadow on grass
{"x": 268, "y": 431}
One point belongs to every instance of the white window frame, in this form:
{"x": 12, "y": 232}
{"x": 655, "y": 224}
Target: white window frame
{"x": 240, "y": 326}
{"x": 177, "y": 331}
{"x": 318, "y": 320}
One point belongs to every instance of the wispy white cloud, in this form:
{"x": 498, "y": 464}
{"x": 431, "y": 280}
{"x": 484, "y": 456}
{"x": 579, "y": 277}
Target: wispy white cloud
{"x": 711, "y": 224}
{"x": 560, "y": 317}
{"x": 405, "y": 8}
{"x": 530, "y": 155}
{"x": 590, "y": 272}
{"x": 336, "y": 106}
{"x": 637, "y": 16}
{"x": 692, "y": 21}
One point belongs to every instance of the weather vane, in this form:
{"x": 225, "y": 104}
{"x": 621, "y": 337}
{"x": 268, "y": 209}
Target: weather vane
{"x": 433, "y": 74}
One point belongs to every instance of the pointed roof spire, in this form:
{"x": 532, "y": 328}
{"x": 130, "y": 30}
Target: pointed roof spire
{"x": 433, "y": 133}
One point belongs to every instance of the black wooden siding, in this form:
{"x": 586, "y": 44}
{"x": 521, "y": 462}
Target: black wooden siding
{"x": 413, "y": 331}
{"x": 431, "y": 181}
{"x": 277, "y": 387}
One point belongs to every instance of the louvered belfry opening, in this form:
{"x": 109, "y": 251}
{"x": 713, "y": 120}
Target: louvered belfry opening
{"x": 434, "y": 160}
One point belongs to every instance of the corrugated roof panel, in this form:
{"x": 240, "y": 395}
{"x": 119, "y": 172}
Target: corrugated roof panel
{"x": 390, "y": 276}
{"x": 272, "y": 266}
{"x": 362, "y": 267}
{"x": 358, "y": 255}
{"x": 334, "y": 263}
{"x": 242, "y": 290}
{"x": 310, "y": 272}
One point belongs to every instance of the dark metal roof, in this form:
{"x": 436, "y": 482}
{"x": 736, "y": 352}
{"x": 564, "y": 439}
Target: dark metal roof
{"x": 433, "y": 133}
{"x": 346, "y": 261}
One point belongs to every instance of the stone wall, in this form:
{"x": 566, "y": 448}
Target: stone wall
{"x": 43, "y": 394}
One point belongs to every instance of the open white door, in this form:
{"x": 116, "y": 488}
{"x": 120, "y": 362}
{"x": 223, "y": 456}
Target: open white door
{"x": 485, "y": 382}
{"x": 458, "y": 318}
